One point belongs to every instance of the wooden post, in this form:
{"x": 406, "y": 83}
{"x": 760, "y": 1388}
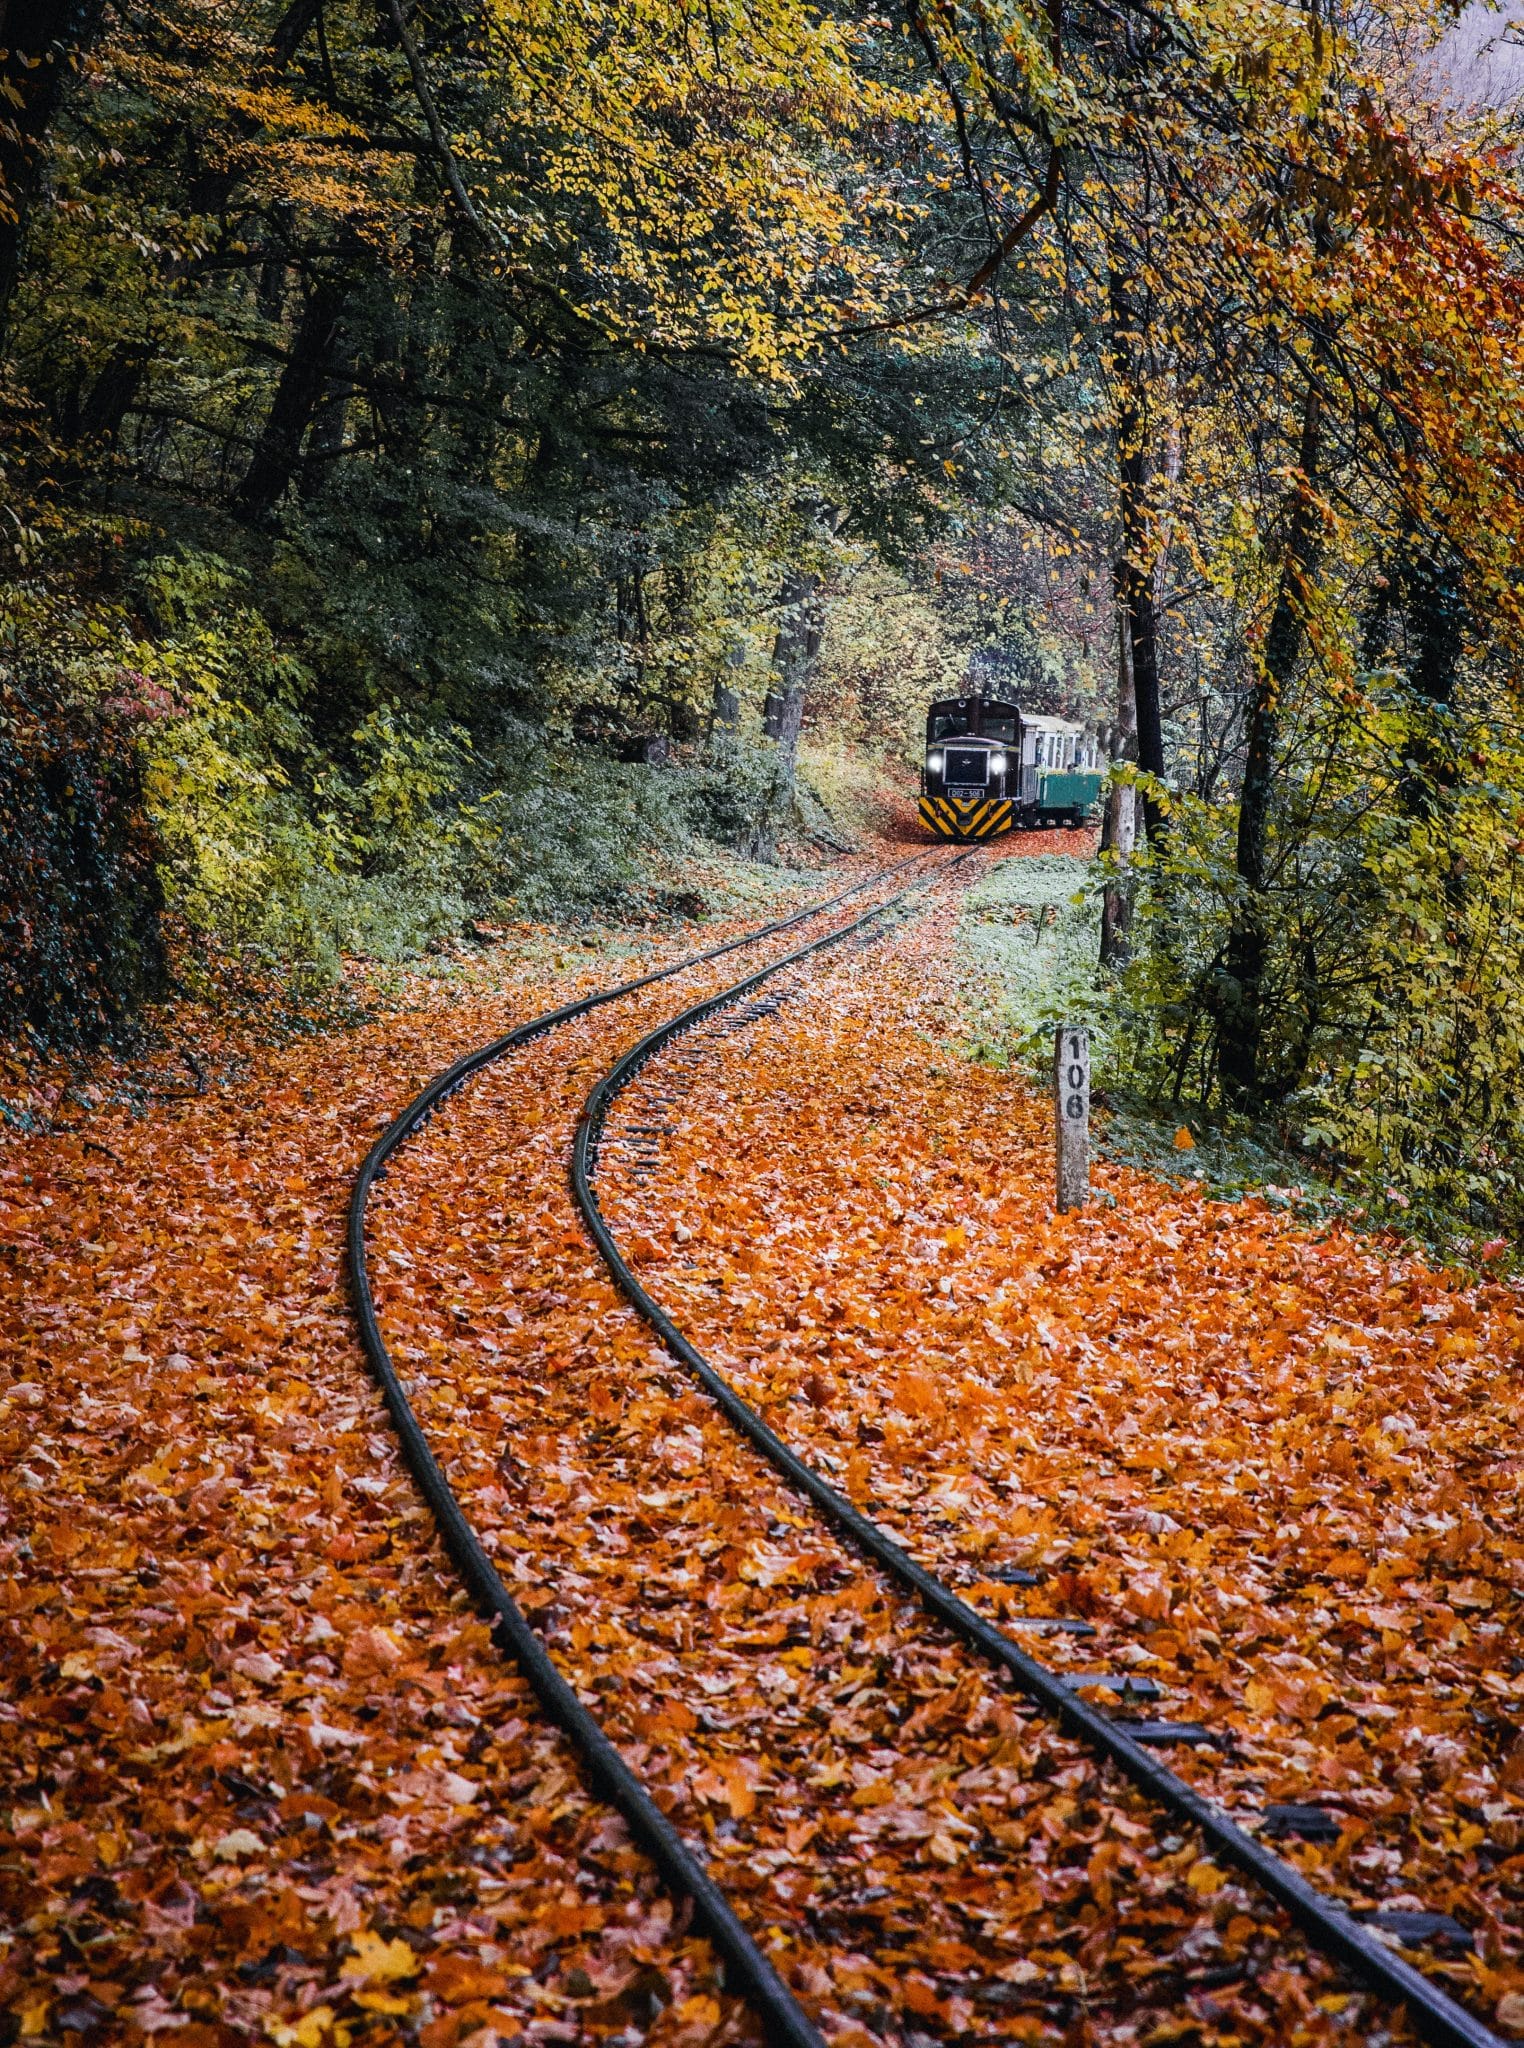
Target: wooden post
{"x": 1071, "y": 1113}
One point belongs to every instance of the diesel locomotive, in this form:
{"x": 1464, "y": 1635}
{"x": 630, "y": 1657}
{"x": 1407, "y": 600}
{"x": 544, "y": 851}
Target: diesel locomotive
{"x": 991, "y": 767}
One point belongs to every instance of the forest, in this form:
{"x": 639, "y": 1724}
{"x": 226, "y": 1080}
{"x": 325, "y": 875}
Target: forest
{"x": 449, "y": 452}
{"x": 640, "y": 1404}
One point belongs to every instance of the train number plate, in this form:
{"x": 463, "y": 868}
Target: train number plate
{"x": 962, "y": 796}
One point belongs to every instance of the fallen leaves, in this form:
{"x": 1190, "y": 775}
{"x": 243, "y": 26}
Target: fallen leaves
{"x": 373, "y": 1960}
{"x": 1275, "y": 1467}
{"x": 228, "y": 1629}
{"x": 867, "y": 1793}
{"x": 262, "y": 1778}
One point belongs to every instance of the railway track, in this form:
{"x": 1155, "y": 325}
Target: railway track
{"x": 783, "y": 2019}
{"x": 1436, "y": 2016}
{"x": 732, "y": 1007}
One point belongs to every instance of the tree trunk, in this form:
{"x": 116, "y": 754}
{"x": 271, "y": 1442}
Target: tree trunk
{"x": 725, "y": 711}
{"x": 1240, "y": 1037}
{"x": 297, "y": 397}
{"x": 325, "y": 438}
{"x": 795, "y": 648}
{"x": 1434, "y": 604}
{"x": 1119, "y": 829}
{"x": 39, "y": 41}
{"x": 92, "y": 412}
{"x": 1139, "y": 550}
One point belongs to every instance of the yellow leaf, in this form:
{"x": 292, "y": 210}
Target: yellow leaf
{"x": 378, "y": 1962}
{"x": 386, "y": 2001}
{"x": 878, "y": 1793}
{"x": 310, "y": 2031}
{"x": 1204, "y": 1878}
{"x": 1184, "y": 1142}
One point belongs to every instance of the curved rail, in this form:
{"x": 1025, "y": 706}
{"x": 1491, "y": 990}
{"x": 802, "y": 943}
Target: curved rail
{"x": 785, "y": 2022}
{"x": 1437, "y": 2017}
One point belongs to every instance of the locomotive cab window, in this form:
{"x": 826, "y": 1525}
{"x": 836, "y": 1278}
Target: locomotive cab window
{"x": 945, "y": 721}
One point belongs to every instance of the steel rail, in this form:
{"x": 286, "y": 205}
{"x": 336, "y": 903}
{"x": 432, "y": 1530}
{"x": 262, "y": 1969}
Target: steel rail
{"x": 1438, "y": 2018}
{"x": 784, "y": 2020}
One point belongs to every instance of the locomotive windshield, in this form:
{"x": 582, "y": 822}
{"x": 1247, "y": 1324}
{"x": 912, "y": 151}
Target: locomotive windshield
{"x": 969, "y": 717}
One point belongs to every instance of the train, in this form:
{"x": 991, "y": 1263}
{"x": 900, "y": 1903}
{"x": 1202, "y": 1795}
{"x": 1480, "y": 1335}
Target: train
{"x": 991, "y": 767}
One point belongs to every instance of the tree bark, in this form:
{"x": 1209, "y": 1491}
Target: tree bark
{"x": 39, "y": 42}
{"x": 297, "y": 397}
{"x": 725, "y": 712}
{"x": 1119, "y": 828}
{"x": 1139, "y": 551}
{"x": 1240, "y": 1037}
{"x": 325, "y": 437}
{"x": 795, "y": 650}
{"x": 1434, "y": 607}
{"x": 796, "y": 646}
{"x": 92, "y": 412}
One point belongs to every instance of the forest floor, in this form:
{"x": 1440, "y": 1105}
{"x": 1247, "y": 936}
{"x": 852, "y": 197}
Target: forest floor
{"x": 263, "y": 1778}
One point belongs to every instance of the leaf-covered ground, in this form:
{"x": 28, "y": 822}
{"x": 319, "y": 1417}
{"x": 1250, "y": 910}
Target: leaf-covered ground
{"x": 262, "y": 1778}
{"x": 1277, "y": 1472}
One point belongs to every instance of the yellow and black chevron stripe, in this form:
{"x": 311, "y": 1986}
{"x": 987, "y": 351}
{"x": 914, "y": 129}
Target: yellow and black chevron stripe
{"x": 974, "y": 817}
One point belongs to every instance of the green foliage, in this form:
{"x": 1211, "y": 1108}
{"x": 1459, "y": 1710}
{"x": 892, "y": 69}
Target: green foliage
{"x": 223, "y": 773}
{"x": 1395, "y": 932}
{"x": 80, "y": 901}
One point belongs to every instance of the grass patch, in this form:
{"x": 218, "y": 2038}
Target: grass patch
{"x": 1030, "y": 935}
{"x": 1029, "y": 938}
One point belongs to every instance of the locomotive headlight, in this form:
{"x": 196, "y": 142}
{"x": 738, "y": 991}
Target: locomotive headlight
{"x": 934, "y": 762}
{"x": 997, "y": 764}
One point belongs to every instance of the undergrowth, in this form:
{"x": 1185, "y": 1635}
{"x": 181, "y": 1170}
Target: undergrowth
{"x": 1029, "y": 939}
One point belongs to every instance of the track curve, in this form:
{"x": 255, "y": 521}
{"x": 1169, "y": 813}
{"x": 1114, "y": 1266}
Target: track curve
{"x": 1437, "y": 2017}
{"x": 784, "y": 2020}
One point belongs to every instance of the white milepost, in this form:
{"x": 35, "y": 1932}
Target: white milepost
{"x": 1071, "y": 1114}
